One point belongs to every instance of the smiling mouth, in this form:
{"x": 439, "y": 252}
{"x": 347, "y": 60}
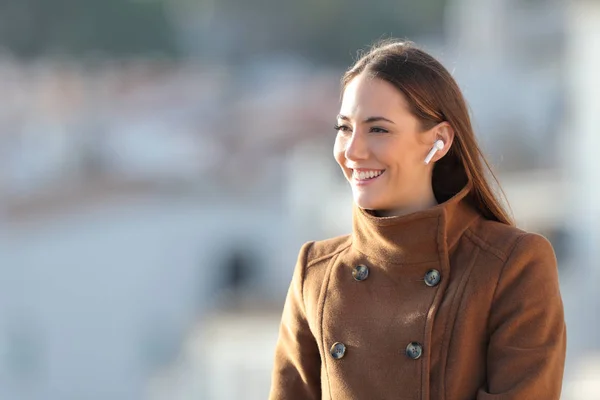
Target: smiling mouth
{"x": 366, "y": 175}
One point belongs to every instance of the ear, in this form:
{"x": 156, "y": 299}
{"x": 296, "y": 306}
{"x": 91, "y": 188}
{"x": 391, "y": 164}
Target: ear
{"x": 442, "y": 131}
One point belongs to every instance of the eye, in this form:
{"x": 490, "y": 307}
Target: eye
{"x": 342, "y": 128}
{"x": 376, "y": 129}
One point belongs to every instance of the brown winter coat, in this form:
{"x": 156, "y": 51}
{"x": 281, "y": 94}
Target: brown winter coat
{"x": 447, "y": 305}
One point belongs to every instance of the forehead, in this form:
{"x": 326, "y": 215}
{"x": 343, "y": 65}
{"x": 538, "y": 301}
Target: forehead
{"x": 366, "y": 96}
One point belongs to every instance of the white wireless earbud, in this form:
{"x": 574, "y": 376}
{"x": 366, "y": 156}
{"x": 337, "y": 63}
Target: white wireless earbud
{"x": 438, "y": 145}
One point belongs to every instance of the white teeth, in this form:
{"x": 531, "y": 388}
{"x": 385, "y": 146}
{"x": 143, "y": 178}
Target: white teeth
{"x": 362, "y": 175}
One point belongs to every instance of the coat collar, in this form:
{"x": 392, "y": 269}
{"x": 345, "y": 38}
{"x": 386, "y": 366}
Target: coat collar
{"x": 423, "y": 236}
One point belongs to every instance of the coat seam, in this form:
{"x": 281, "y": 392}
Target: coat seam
{"x": 484, "y": 245}
{"x": 500, "y": 275}
{"x": 451, "y": 322}
{"x": 321, "y": 317}
{"x": 312, "y": 262}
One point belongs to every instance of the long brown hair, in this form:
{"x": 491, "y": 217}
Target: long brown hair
{"x": 434, "y": 96}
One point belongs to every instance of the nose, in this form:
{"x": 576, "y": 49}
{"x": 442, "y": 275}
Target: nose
{"x": 356, "y": 148}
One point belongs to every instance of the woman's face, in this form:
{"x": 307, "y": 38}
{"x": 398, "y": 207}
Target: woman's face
{"x": 380, "y": 146}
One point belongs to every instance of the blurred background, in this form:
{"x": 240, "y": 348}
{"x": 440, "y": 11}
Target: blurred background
{"x": 162, "y": 162}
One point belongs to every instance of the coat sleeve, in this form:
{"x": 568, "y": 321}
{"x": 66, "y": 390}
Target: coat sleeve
{"x": 527, "y": 345}
{"x": 297, "y": 367}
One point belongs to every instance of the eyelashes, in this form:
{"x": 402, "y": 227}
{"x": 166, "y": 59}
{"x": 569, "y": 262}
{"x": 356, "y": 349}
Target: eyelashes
{"x": 344, "y": 128}
{"x": 376, "y": 129}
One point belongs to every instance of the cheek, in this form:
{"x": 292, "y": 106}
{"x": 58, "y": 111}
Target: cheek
{"x": 339, "y": 151}
{"x": 402, "y": 156}
{"x": 389, "y": 155}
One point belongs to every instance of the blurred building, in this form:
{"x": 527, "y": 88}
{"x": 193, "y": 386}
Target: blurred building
{"x": 512, "y": 51}
{"x": 137, "y": 201}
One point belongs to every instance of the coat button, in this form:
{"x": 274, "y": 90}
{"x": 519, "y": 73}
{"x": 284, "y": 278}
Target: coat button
{"x": 338, "y": 350}
{"x": 433, "y": 277}
{"x": 414, "y": 350}
{"x": 360, "y": 272}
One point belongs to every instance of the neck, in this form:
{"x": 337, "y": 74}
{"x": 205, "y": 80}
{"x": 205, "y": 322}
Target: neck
{"x": 422, "y": 202}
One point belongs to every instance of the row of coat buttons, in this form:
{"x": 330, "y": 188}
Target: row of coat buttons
{"x": 432, "y": 277}
{"x": 414, "y": 350}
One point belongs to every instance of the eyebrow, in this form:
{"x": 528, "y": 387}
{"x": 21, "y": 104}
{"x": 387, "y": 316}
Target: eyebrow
{"x": 368, "y": 120}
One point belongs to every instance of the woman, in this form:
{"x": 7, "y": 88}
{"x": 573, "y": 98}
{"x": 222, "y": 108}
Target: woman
{"x": 435, "y": 294}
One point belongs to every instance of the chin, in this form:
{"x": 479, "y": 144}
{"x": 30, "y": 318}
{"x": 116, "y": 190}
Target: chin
{"x": 367, "y": 203}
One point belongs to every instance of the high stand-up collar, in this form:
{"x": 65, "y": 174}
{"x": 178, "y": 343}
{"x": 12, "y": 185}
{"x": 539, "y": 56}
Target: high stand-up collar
{"x": 422, "y": 236}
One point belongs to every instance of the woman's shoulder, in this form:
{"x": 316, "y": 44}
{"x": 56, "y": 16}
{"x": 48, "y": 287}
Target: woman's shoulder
{"x": 502, "y": 239}
{"x": 323, "y": 250}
